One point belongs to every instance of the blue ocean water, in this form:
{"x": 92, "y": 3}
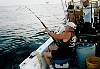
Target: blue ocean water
{"x": 21, "y": 32}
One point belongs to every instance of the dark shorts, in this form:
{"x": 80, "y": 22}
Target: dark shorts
{"x": 62, "y": 53}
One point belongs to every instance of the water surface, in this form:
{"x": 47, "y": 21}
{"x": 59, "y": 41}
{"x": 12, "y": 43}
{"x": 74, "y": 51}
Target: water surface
{"x": 21, "y": 32}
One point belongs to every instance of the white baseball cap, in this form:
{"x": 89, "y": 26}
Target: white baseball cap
{"x": 71, "y": 24}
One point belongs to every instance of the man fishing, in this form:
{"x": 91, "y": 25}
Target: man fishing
{"x": 63, "y": 42}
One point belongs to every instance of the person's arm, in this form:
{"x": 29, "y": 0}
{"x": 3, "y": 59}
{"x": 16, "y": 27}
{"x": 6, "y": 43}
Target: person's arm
{"x": 64, "y": 36}
{"x": 56, "y": 36}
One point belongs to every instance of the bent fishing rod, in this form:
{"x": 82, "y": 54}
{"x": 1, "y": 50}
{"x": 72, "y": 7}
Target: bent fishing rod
{"x": 36, "y": 17}
{"x": 39, "y": 20}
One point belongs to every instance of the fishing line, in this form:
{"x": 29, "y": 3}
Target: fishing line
{"x": 36, "y": 16}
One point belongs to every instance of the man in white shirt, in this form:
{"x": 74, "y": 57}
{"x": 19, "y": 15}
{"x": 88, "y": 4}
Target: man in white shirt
{"x": 87, "y": 11}
{"x": 87, "y": 16}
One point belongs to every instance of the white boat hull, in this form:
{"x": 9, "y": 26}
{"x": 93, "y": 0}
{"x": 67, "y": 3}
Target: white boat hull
{"x": 36, "y": 60}
{"x": 34, "y": 63}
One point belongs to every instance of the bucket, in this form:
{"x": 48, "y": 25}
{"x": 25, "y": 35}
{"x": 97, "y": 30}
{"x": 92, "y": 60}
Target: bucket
{"x": 84, "y": 50}
{"x": 93, "y": 62}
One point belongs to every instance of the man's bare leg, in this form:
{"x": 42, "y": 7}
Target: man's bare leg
{"x": 47, "y": 57}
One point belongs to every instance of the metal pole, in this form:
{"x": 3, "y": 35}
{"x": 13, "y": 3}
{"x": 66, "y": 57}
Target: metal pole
{"x": 91, "y": 12}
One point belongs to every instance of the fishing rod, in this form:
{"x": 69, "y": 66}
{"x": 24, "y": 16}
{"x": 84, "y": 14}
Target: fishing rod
{"x": 36, "y": 17}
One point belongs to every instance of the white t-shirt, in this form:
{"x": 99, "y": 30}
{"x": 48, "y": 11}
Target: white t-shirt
{"x": 87, "y": 14}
